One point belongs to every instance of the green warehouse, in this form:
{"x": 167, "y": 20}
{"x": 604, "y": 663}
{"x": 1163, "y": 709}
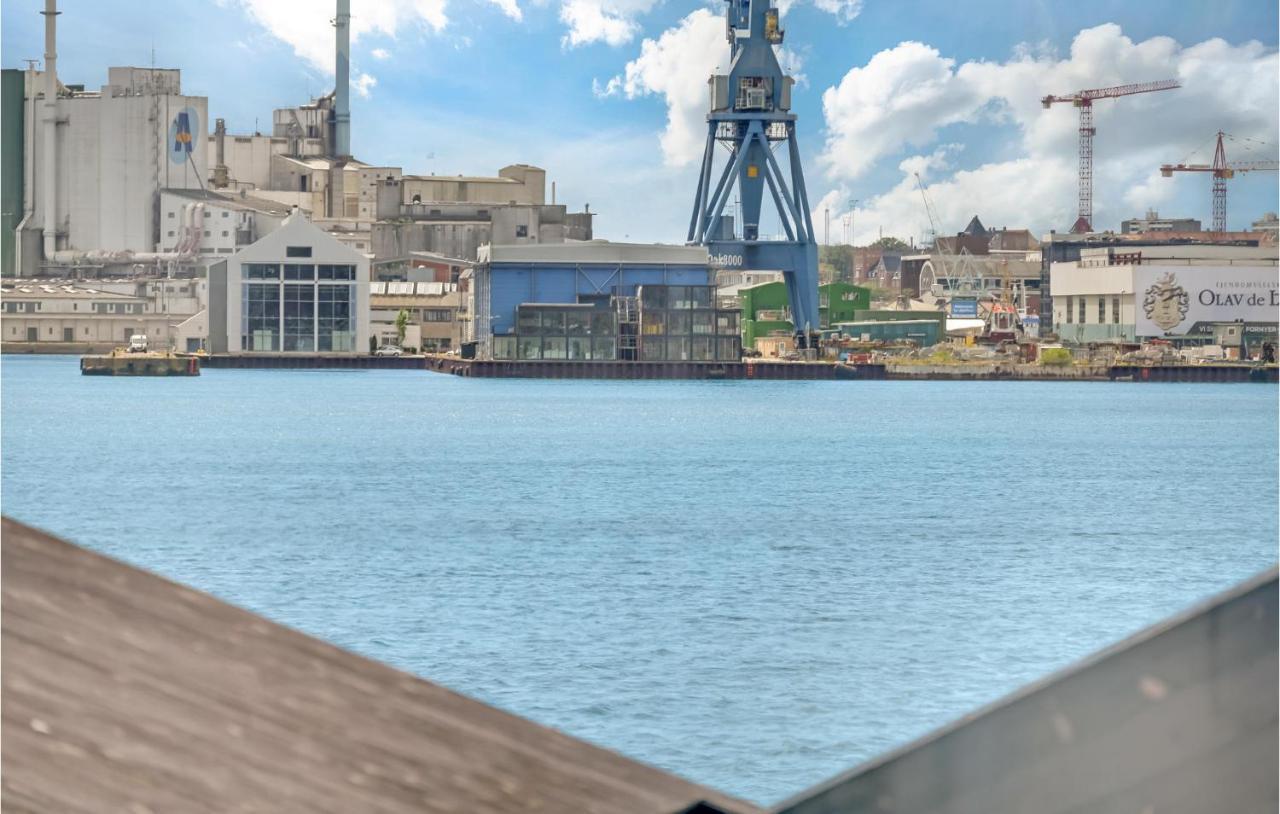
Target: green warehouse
{"x": 765, "y": 308}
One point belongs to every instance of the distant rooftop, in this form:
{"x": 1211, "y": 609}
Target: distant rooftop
{"x": 244, "y": 202}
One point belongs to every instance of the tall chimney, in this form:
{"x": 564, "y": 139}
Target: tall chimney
{"x": 49, "y": 187}
{"x": 342, "y": 81}
{"x": 220, "y": 172}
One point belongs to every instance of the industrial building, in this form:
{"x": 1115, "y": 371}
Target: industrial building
{"x": 76, "y": 315}
{"x": 1154, "y": 223}
{"x": 1057, "y": 247}
{"x": 1178, "y": 293}
{"x": 93, "y": 163}
{"x": 297, "y": 290}
{"x": 459, "y": 229}
{"x": 433, "y": 310}
{"x": 766, "y": 310}
{"x": 598, "y": 301}
{"x": 207, "y": 224}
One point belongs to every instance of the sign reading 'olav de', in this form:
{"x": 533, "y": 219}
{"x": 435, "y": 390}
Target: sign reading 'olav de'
{"x": 1174, "y": 300}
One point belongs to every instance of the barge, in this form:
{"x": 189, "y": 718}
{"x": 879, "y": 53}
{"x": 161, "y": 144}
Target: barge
{"x": 123, "y": 363}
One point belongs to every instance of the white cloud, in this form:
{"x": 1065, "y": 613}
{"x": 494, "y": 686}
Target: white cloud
{"x": 676, "y": 66}
{"x": 608, "y": 21}
{"x": 844, "y": 10}
{"x": 305, "y": 25}
{"x": 363, "y": 84}
{"x": 905, "y": 96}
{"x": 509, "y": 8}
{"x": 380, "y": 53}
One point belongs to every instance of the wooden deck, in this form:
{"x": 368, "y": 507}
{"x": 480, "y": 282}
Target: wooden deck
{"x": 126, "y": 692}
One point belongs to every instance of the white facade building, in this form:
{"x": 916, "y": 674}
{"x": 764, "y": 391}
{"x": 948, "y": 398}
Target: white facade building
{"x": 297, "y": 290}
{"x": 1170, "y": 292}
{"x": 209, "y": 224}
{"x": 115, "y": 150}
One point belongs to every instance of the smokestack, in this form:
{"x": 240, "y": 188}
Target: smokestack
{"x": 220, "y": 179}
{"x": 50, "y": 119}
{"x": 342, "y": 81}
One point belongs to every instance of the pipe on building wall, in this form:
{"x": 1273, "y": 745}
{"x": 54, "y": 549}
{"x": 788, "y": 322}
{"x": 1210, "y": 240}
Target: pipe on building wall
{"x": 28, "y": 171}
{"x": 342, "y": 80}
{"x": 50, "y": 119}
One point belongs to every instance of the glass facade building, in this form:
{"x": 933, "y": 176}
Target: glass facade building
{"x": 662, "y": 323}
{"x": 680, "y": 323}
{"x": 298, "y": 307}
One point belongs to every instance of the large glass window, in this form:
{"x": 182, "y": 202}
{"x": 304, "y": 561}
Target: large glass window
{"x": 679, "y": 323}
{"x": 1115, "y": 310}
{"x": 530, "y": 347}
{"x": 653, "y": 296}
{"x": 603, "y": 348}
{"x": 652, "y": 350}
{"x": 678, "y": 349}
{"x": 1102, "y": 311}
{"x": 727, "y": 323}
{"x": 297, "y": 271}
{"x": 260, "y": 317}
{"x": 553, "y": 347}
{"x": 261, "y": 271}
{"x": 703, "y": 322}
{"x": 578, "y": 323}
{"x": 1082, "y": 312}
{"x": 504, "y": 347}
{"x": 299, "y": 318}
{"x": 727, "y": 349}
{"x": 579, "y": 347}
{"x": 1070, "y": 307}
{"x": 552, "y": 324}
{"x": 528, "y": 322}
{"x": 678, "y": 297}
{"x": 653, "y": 323}
{"x": 702, "y": 349}
{"x": 335, "y": 317}
{"x": 602, "y": 324}
{"x": 701, "y": 296}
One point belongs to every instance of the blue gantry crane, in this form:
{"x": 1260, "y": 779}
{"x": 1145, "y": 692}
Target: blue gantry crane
{"x": 751, "y": 116}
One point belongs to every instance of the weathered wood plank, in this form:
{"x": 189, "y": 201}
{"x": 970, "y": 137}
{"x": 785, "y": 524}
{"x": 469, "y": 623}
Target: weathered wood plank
{"x": 126, "y": 692}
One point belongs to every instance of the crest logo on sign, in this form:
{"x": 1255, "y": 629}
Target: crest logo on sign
{"x": 1166, "y": 302}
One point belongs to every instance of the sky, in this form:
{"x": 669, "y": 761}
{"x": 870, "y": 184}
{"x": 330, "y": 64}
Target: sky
{"x": 609, "y": 96}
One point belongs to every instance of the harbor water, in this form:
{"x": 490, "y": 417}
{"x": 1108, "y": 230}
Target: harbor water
{"x": 752, "y": 584}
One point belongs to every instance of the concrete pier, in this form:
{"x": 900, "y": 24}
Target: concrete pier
{"x": 140, "y": 364}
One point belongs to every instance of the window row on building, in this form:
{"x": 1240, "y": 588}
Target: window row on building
{"x": 1083, "y": 310}
{"x": 298, "y": 271}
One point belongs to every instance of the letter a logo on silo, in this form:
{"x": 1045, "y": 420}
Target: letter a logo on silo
{"x": 182, "y": 133}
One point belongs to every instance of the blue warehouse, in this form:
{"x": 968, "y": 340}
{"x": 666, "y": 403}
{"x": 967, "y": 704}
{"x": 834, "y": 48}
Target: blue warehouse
{"x": 599, "y": 301}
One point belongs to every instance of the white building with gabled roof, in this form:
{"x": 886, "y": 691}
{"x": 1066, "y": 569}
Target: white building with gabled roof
{"x": 296, "y": 291}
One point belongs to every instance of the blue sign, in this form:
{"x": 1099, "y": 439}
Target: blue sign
{"x": 183, "y": 132}
{"x": 964, "y": 308}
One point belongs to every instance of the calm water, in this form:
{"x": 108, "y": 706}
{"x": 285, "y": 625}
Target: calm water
{"x": 755, "y": 585}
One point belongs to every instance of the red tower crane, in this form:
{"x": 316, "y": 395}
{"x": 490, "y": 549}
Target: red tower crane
{"x": 1222, "y": 170}
{"x": 1083, "y": 99}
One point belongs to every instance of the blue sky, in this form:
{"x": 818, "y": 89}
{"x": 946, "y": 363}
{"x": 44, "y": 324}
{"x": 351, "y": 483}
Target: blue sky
{"x": 602, "y": 92}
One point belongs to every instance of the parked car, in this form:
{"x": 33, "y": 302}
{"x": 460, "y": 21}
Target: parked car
{"x": 389, "y": 350}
